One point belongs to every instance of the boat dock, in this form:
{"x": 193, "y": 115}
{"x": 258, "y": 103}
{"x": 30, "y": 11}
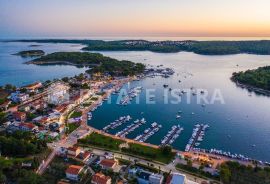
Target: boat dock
{"x": 172, "y": 135}
{"x": 148, "y": 132}
{"x": 117, "y": 123}
{"x": 131, "y": 94}
{"x": 197, "y": 136}
{"x": 137, "y": 123}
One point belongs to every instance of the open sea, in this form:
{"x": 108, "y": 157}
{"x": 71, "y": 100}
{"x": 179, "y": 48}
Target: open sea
{"x": 240, "y": 125}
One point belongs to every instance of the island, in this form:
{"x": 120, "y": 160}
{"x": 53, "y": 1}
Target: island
{"x": 97, "y": 63}
{"x": 261, "y": 47}
{"x": 30, "y": 53}
{"x": 257, "y": 80}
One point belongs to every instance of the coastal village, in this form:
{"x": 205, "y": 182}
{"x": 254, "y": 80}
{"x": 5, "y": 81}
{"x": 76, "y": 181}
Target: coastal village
{"x": 57, "y": 112}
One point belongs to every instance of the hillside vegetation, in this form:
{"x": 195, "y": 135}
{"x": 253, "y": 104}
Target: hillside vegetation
{"x": 259, "y": 78}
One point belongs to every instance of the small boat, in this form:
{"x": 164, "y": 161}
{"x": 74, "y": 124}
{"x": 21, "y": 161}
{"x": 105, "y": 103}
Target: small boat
{"x": 178, "y": 116}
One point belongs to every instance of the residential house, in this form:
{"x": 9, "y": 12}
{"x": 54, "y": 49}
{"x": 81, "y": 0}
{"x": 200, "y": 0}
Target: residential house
{"x": 19, "y": 97}
{"x": 108, "y": 163}
{"x": 100, "y": 178}
{"x": 83, "y": 155}
{"x": 176, "y": 178}
{"x": 73, "y": 172}
{"x": 33, "y": 87}
{"x": 143, "y": 177}
{"x": 28, "y": 127}
{"x": 73, "y": 151}
{"x": 22, "y": 127}
{"x": 4, "y": 106}
{"x": 19, "y": 116}
{"x": 156, "y": 179}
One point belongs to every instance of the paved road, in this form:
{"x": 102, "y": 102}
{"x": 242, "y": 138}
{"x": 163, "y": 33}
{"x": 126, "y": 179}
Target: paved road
{"x": 165, "y": 168}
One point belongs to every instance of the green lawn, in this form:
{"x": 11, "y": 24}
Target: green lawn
{"x": 72, "y": 127}
{"x": 102, "y": 141}
{"x": 149, "y": 153}
{"x": 76, "y": 114}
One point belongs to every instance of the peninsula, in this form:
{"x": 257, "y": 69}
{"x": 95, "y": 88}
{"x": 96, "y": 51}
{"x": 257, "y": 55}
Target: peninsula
{"x": 199, "y": 47}
{"x": 96, "y": 61}
{"x": 256, "y": 80}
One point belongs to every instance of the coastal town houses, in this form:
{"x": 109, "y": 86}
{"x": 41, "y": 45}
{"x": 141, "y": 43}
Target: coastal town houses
{"x": 17, "y": 126}
{"x": 73, "y": 151}
{"x": 33, "y": 87}
{"x": 156, "y": 179}
{"x": 73, "y": 172}
{"x": 18, "y": 97}
{"x": 58, "y": 93}
{"x": 4, "y": 106}
{"x": 176, "y": 178}
{"x": 99, "y": 178}
{"x": 146, "y": 177}
{"x": 108, "y": 163}
{"x": 19, "y": 116}
{"x": 83, "y": 156}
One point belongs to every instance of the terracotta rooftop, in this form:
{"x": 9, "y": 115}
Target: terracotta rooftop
{"x": 107, "y": 162}
{"x": 28, "y": 125}
{"x": 74, "y": 148}
{"x": 100, "y": 178}
{"x": 74, "y": 169}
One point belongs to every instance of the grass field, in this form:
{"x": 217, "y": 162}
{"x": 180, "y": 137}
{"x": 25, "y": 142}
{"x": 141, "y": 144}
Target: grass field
{"x": 103, "y": 141}
{"x": 75, "y": 114}
{"x": 72, "y": 127}
{"x": 149, "y": 153}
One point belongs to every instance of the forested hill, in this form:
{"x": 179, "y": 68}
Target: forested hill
{"x": 200, "y": 47}
{"x": 96, "y": 61}
{"x": 259, "y": 78}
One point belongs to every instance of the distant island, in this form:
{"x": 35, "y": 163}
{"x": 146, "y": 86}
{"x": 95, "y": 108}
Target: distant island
{"x": 97, "y": 62}
{"x": 30, "y": 53}
{"x": 199, "y": 47}
{"x": 257, "y": 80}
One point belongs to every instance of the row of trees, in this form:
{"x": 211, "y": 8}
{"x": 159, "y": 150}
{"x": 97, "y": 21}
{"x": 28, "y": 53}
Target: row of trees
{"x": 21, "y": 144}
{"x": 235, "y": 173}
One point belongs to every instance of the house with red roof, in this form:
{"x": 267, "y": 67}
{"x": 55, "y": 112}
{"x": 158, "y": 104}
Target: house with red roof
{"x": 34, "y": 86}
{"x": 84, "y": 155}
{"x": 100, "y": 178}
{"x": 73, "y": 172}
{"x": 19, "y": 116}
{"x": 108, "y": 163}
{"x": 73, "y": 151}
{"x": 28, "y": 127}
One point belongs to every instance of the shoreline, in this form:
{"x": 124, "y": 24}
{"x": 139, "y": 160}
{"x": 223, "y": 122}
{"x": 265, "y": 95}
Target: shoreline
{"x": 218, "y": 158}
{"x": 251, "y": 88}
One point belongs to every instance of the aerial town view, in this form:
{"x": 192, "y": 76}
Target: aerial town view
{"x": 134, "y": 92}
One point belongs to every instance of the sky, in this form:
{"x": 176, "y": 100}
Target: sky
{"x": 175, "y": 18}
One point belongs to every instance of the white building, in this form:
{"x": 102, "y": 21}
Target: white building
{"x": 156, "y": 179}
{"x": 58, "y": 93}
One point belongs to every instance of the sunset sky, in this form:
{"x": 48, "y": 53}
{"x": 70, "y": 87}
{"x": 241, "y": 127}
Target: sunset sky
{"x": 79, "y": 18}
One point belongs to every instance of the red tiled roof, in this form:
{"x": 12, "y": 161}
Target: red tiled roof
{"x": 74, "y": 148}
{"x": 107, "y": 162}
{"x": 100, "y": 178}
{"x": 61, "y": 108}
{"x": 74, "y": 169}
{"x": 18, "y": 114}
{"x": 84, "y": 155}
{"x": 33, "y": 86}
{"x": 28, "y": 125}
